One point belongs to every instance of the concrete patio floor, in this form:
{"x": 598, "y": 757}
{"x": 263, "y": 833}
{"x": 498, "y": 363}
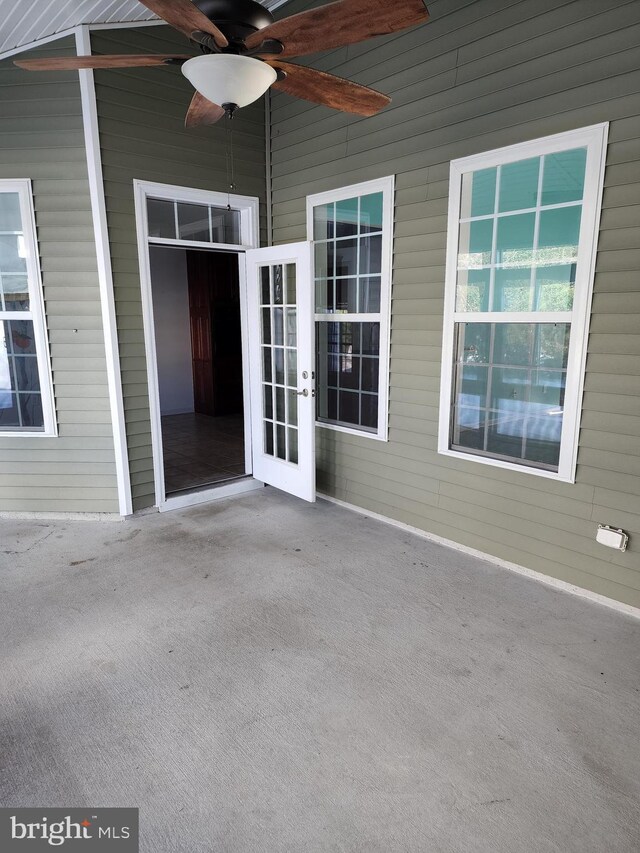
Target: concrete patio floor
{"x": 264, "y": 675}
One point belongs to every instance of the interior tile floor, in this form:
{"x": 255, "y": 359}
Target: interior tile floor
{"x": 200, "y": 450}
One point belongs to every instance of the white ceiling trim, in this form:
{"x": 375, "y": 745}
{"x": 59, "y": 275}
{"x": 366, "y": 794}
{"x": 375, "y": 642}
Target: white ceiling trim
{"x": 27, "y": 23}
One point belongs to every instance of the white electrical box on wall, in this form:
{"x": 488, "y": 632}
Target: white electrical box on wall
{"x": 611, "y": 537}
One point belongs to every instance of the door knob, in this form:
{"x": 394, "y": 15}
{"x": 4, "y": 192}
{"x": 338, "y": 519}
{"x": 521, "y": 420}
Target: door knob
{"x": 304, "y": 393}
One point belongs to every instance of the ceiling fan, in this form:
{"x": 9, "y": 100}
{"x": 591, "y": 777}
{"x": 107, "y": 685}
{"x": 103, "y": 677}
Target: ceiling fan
{"x": 242, "y": 51}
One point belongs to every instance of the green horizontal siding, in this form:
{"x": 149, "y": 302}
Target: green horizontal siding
{"x": 142, "y": 135}
{"x": 481, "y": 75}
{"x": 41, "y": 138}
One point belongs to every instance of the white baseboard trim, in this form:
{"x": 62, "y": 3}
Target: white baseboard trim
{"x": 62, "y": 516}
{"x": 562, "y": 586}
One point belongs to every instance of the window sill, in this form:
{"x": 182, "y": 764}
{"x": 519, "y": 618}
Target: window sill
{"x": 376, "y": 436}
{"x": 25, "y": 434}
{"x": 508, "y": 466}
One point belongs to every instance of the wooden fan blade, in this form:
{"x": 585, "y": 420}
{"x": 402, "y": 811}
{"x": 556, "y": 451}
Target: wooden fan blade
{"x": 202, "y": 111}
{"x": 182, "y": 15}
{"x": 323, "y": 88}
{"x": 341, "y": 23}
{"x": 73, "y": 63}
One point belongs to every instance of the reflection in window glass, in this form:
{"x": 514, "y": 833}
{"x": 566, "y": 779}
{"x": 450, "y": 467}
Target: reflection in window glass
{"x": 476, "y": 244}
{"x": 514, "y": 242}
{"x": 371, "y": 213}
{"x": 225, "y": 226}
{"x": 347, "y": 217}
{"x": 478, "y": 193}
{"x": 10, "y": 217}
{"x": 563, "y": 179}
{"x": 196, "y": 222}
{"x": 193, "y": 222}
{"x": 559, "y": 235}
{"x": 473, "y": 290}
{"x": 509, "y": 390}
{"x": 519, "y": 185}
{"x": 513, "y": 289}
{"x": 14, "y": 292}
{"x": 20, "y": 398}
{"x": 347, "y": 372}
{"x": 161, "y": 218}
{"x": 511, "y": 261}
{"x": 348, "y": 282}
{"x": 21, "y": 407}
{"x": 555, "y": 287}
{"x": 324, "y": 221}
{"x": 525, "y": 228}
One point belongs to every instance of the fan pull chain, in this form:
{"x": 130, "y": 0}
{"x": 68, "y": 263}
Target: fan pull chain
{"x": 230, "y": 160}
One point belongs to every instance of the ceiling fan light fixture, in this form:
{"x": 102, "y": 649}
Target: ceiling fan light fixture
{"x": 225, "y": 78}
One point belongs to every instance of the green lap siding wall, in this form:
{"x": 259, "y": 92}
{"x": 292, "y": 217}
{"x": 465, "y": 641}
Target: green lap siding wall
{"x": 481, "y": 75}
{"x": 142, "y": 136}
{"x": 41, "y": 138}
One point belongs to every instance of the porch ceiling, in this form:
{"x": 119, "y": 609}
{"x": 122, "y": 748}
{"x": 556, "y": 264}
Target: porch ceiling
{"x": 23, "y": 22}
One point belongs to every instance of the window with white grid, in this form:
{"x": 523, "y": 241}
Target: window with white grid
{"x": 26, "y": 399}
{"x": 522, "y": 236}
{"x": 352, "y": 232}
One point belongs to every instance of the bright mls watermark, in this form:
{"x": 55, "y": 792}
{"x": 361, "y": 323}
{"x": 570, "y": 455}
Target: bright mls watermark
{"x": 103, "y": 830}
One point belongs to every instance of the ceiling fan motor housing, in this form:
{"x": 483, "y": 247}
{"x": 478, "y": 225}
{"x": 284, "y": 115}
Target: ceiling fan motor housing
{"x": 236, "y": 18}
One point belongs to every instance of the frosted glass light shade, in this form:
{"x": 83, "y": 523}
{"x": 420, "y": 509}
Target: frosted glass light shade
{"x": 229, "y": 79}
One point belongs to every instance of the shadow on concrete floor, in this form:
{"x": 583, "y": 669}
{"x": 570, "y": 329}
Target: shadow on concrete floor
{"x": 261, "y": 674}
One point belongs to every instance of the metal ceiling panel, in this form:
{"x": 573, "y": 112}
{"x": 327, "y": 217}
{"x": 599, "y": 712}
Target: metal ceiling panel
{"x": 23, "y": 22}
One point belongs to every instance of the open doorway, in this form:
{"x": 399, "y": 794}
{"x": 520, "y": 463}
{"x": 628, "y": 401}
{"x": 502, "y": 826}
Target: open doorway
{"x": 197, "y": 325}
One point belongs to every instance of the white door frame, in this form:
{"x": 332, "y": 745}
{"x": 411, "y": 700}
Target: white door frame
{"x": 248, "y": 207}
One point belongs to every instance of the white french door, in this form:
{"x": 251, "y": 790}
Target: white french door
{"x": 281, "y": 358}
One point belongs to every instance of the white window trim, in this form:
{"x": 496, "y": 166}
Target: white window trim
{"x": 36, "y": 313}
{"x": 594, "y": 138}
{"x": 387, "y": 187}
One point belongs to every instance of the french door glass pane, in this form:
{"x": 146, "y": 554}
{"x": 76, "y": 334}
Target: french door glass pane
{"x": 279, "y": 363}
{"x": 290, "y": 272}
